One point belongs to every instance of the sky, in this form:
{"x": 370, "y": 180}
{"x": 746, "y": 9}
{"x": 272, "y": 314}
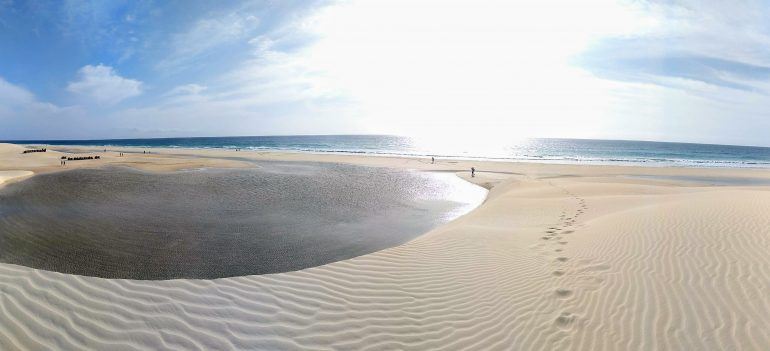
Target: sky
{"x": 690, "y": 71}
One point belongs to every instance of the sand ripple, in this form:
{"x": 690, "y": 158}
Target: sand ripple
{"x": 635, "y": 269}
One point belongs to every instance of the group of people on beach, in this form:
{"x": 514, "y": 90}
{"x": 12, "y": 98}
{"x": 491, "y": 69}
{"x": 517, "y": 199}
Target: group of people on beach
{"x": 64, "y": 159}
{"x": 35, "y": 150}
{"x": 78, "y": 158}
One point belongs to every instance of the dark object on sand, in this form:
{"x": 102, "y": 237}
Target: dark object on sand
{"x": 83, "y": 158}
{"x": 35, "y": 150}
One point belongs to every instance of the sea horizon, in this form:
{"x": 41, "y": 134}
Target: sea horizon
{"x": 542, "y": 150}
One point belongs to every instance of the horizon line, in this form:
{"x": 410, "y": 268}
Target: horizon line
{"x": 36, "y": 141}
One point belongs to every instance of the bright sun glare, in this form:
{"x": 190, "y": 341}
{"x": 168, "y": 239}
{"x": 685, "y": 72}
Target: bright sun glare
{"x": 495, "y": 67}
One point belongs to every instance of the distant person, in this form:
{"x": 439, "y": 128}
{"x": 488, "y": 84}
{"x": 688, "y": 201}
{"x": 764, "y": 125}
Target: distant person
{"x": 432, "y": 159}
{"x": 473, "y": 172}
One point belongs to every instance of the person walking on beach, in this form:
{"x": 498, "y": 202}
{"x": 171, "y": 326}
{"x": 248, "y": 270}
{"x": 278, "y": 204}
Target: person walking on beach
{"x": 432, "y": 160}
{"x": 473, "y": 172}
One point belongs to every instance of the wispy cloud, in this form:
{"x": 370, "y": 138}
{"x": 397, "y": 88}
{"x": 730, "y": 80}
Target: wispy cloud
{"x": 103, "y": 85}
{"x": 207, "y": 34}
{"x": 710, "y": 42}
{"x": 715, "y": 71}
{"x": 187, "y": 89}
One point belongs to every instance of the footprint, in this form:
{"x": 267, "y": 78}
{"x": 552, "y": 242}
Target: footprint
{"x": 558, "y": 273}
{"x": 568, "y": 232}
{"x": 545, "y": 238}
{"x": 559, "y": 250}
{"x": 563, "y": 293}
{"x": 562, "y": 242}
{"x": 565, "y": 319}
{"x": 562, "y": 259}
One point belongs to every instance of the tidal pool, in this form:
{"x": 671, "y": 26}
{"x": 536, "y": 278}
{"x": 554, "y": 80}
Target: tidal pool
{"x": 213, "y": 223}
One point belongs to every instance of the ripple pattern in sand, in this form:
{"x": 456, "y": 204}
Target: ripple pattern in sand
{"x": 689, "y": 272}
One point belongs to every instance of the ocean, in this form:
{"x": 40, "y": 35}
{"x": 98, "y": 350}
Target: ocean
{"x": 532, "y": 150}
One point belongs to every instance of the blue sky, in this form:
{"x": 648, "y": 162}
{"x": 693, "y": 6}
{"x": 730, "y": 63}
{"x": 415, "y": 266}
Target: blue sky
{"x": 675, "y": 71}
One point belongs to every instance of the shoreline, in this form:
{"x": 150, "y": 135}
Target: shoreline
{"x": 564, "y": 160}
{"x": 556, "y": 257}
{"x": 233, "y": 158}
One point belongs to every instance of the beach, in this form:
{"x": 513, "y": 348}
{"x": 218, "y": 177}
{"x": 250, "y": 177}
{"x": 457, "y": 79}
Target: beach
{"x": 565, "y": 257}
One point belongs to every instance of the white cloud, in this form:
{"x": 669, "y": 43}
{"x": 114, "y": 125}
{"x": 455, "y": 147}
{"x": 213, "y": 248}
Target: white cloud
{"x": 407, "y": 68}
{"x": 13, "y": 95}
{"x": 24, "y": 116}
{"x": 489, "y": 67}
{"x": 103, "y": 85}
{"x": 17, "y": 100}
{"x": 381, "y": 67}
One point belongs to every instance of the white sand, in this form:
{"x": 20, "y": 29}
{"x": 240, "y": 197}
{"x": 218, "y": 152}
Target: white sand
{"x": 585, "y": 262}
{"x": 8, "y": 176}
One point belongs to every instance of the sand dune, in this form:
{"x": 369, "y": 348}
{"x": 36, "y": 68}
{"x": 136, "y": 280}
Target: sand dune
{"x": 578, "y": 263}
{"x": 7, "y": 176}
